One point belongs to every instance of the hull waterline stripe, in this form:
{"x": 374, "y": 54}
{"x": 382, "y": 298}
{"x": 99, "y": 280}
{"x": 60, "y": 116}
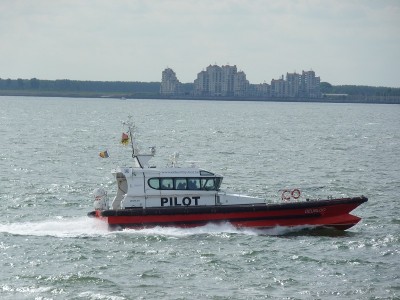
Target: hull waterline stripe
{"x": 229, "y": 209}
{"x": 188, "y": 222}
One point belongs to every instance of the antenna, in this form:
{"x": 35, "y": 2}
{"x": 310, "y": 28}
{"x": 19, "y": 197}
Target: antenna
{"x": 174, "y": 159}
{"x": 153, "y": 150}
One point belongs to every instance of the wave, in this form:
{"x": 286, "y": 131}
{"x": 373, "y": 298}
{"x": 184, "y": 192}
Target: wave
{"x": 215, "y": 229}
{"x": 59, "y": 227}
{"x": 209, "y": 229}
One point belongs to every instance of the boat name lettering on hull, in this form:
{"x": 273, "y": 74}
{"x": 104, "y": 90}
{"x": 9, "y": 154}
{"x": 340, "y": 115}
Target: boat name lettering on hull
{"x": 315, "y": 210}
{"x": 185, "y": 201}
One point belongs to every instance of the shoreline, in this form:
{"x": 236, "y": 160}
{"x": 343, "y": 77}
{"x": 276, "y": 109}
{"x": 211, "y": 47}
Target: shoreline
{"x": 127, "y": 96}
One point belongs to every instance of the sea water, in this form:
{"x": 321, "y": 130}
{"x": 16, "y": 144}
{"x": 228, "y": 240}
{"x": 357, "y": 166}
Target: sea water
{"x": 49, "y": 164}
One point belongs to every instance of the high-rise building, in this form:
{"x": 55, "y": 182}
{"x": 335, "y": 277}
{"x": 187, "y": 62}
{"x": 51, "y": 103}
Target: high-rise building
{"x": 305, "y": 85}
{"x": 227, "y": 80}
{"x": 292, "y": 85}
{"x": 311, "y": 85}
{"x": 201, "y": 84}
{"x": 216, "y": 81}
{"x": 240, "y": 84}
{"x": 170, "y": 84}
{"x": 260, "y": 90}
{"x": 278, "y": 87}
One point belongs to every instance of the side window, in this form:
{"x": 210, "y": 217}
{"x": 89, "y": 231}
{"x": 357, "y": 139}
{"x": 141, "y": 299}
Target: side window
{"x": 167, "y": 183}
{"x": 180, "y": 183}
{"x": 206, "y": 173}
{"x": 193, "y": 183}
{"x": 154, "y": 183}
{"x": 207, "y": 184}
{"x": 218, "y": 181}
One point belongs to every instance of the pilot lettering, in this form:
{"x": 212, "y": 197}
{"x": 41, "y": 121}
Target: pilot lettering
{"x": 186, "y": 201}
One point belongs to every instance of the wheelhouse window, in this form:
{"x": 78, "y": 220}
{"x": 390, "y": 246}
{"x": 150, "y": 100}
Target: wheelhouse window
{"x": 188, "y": 183}
{"x": 218, "y": 181}
{"x": 167, "y": 183}
{"x": 154, "y": 183}
{"x": 208, "y": 184}
{"x": 193, "y": 183}
{"x": 206, "y": 173}
{"x": 180, "y": 183}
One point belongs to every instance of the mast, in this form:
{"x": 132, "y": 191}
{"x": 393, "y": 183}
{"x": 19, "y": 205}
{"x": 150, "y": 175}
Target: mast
{"x": 131, "y": 128}
{"x": 140, "y": 160}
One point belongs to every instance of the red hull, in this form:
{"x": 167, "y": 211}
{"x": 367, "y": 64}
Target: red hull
{"x": 333, "y": 213}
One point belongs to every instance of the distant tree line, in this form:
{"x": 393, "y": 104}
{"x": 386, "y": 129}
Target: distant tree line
{"x": 358, "y": 90}
{"x": 79, "y": 86}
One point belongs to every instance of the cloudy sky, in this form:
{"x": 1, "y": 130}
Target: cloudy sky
{"x": 343, "y": 41}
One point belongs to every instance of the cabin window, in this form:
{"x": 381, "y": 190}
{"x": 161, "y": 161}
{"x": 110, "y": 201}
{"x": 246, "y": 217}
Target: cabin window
{"x": 193, "y": 183}
{"x": 207, "y": 184}
{"x": 180, "y": 183}
{"x": 205, "y": 173}
{"x": 167, "y": 183}
{"x": 154, "y": 183}
{"x": 189, "y": 183}
{"x": 218, "y": 181}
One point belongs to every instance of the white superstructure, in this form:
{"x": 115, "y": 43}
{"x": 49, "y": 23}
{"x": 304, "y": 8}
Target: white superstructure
{"x": 142, "y": 185}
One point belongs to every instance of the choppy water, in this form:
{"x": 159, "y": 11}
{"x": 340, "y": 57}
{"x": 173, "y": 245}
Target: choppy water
{"x": 49, "y": 164}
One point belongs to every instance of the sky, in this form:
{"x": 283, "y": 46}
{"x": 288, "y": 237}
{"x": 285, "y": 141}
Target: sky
{"x": 355, "y": 42}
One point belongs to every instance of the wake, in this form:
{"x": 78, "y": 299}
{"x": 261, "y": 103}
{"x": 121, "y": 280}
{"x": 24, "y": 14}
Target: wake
{"x": 212, "y": 229}
{"x": 91, "y": 227}
{"x": 59, "y": 227}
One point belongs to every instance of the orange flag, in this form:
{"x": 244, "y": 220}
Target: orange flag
{"x": 125, "y": 138}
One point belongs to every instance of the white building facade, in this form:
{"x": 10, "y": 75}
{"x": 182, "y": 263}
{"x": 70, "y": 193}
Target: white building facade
{"x": 170, "y": 84}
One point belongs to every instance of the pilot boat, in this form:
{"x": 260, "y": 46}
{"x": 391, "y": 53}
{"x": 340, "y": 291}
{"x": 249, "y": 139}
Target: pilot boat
{"x": 191, "y": 196}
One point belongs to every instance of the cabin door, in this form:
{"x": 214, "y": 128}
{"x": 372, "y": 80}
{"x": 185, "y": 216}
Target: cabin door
{"x": 152, "y": 190}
